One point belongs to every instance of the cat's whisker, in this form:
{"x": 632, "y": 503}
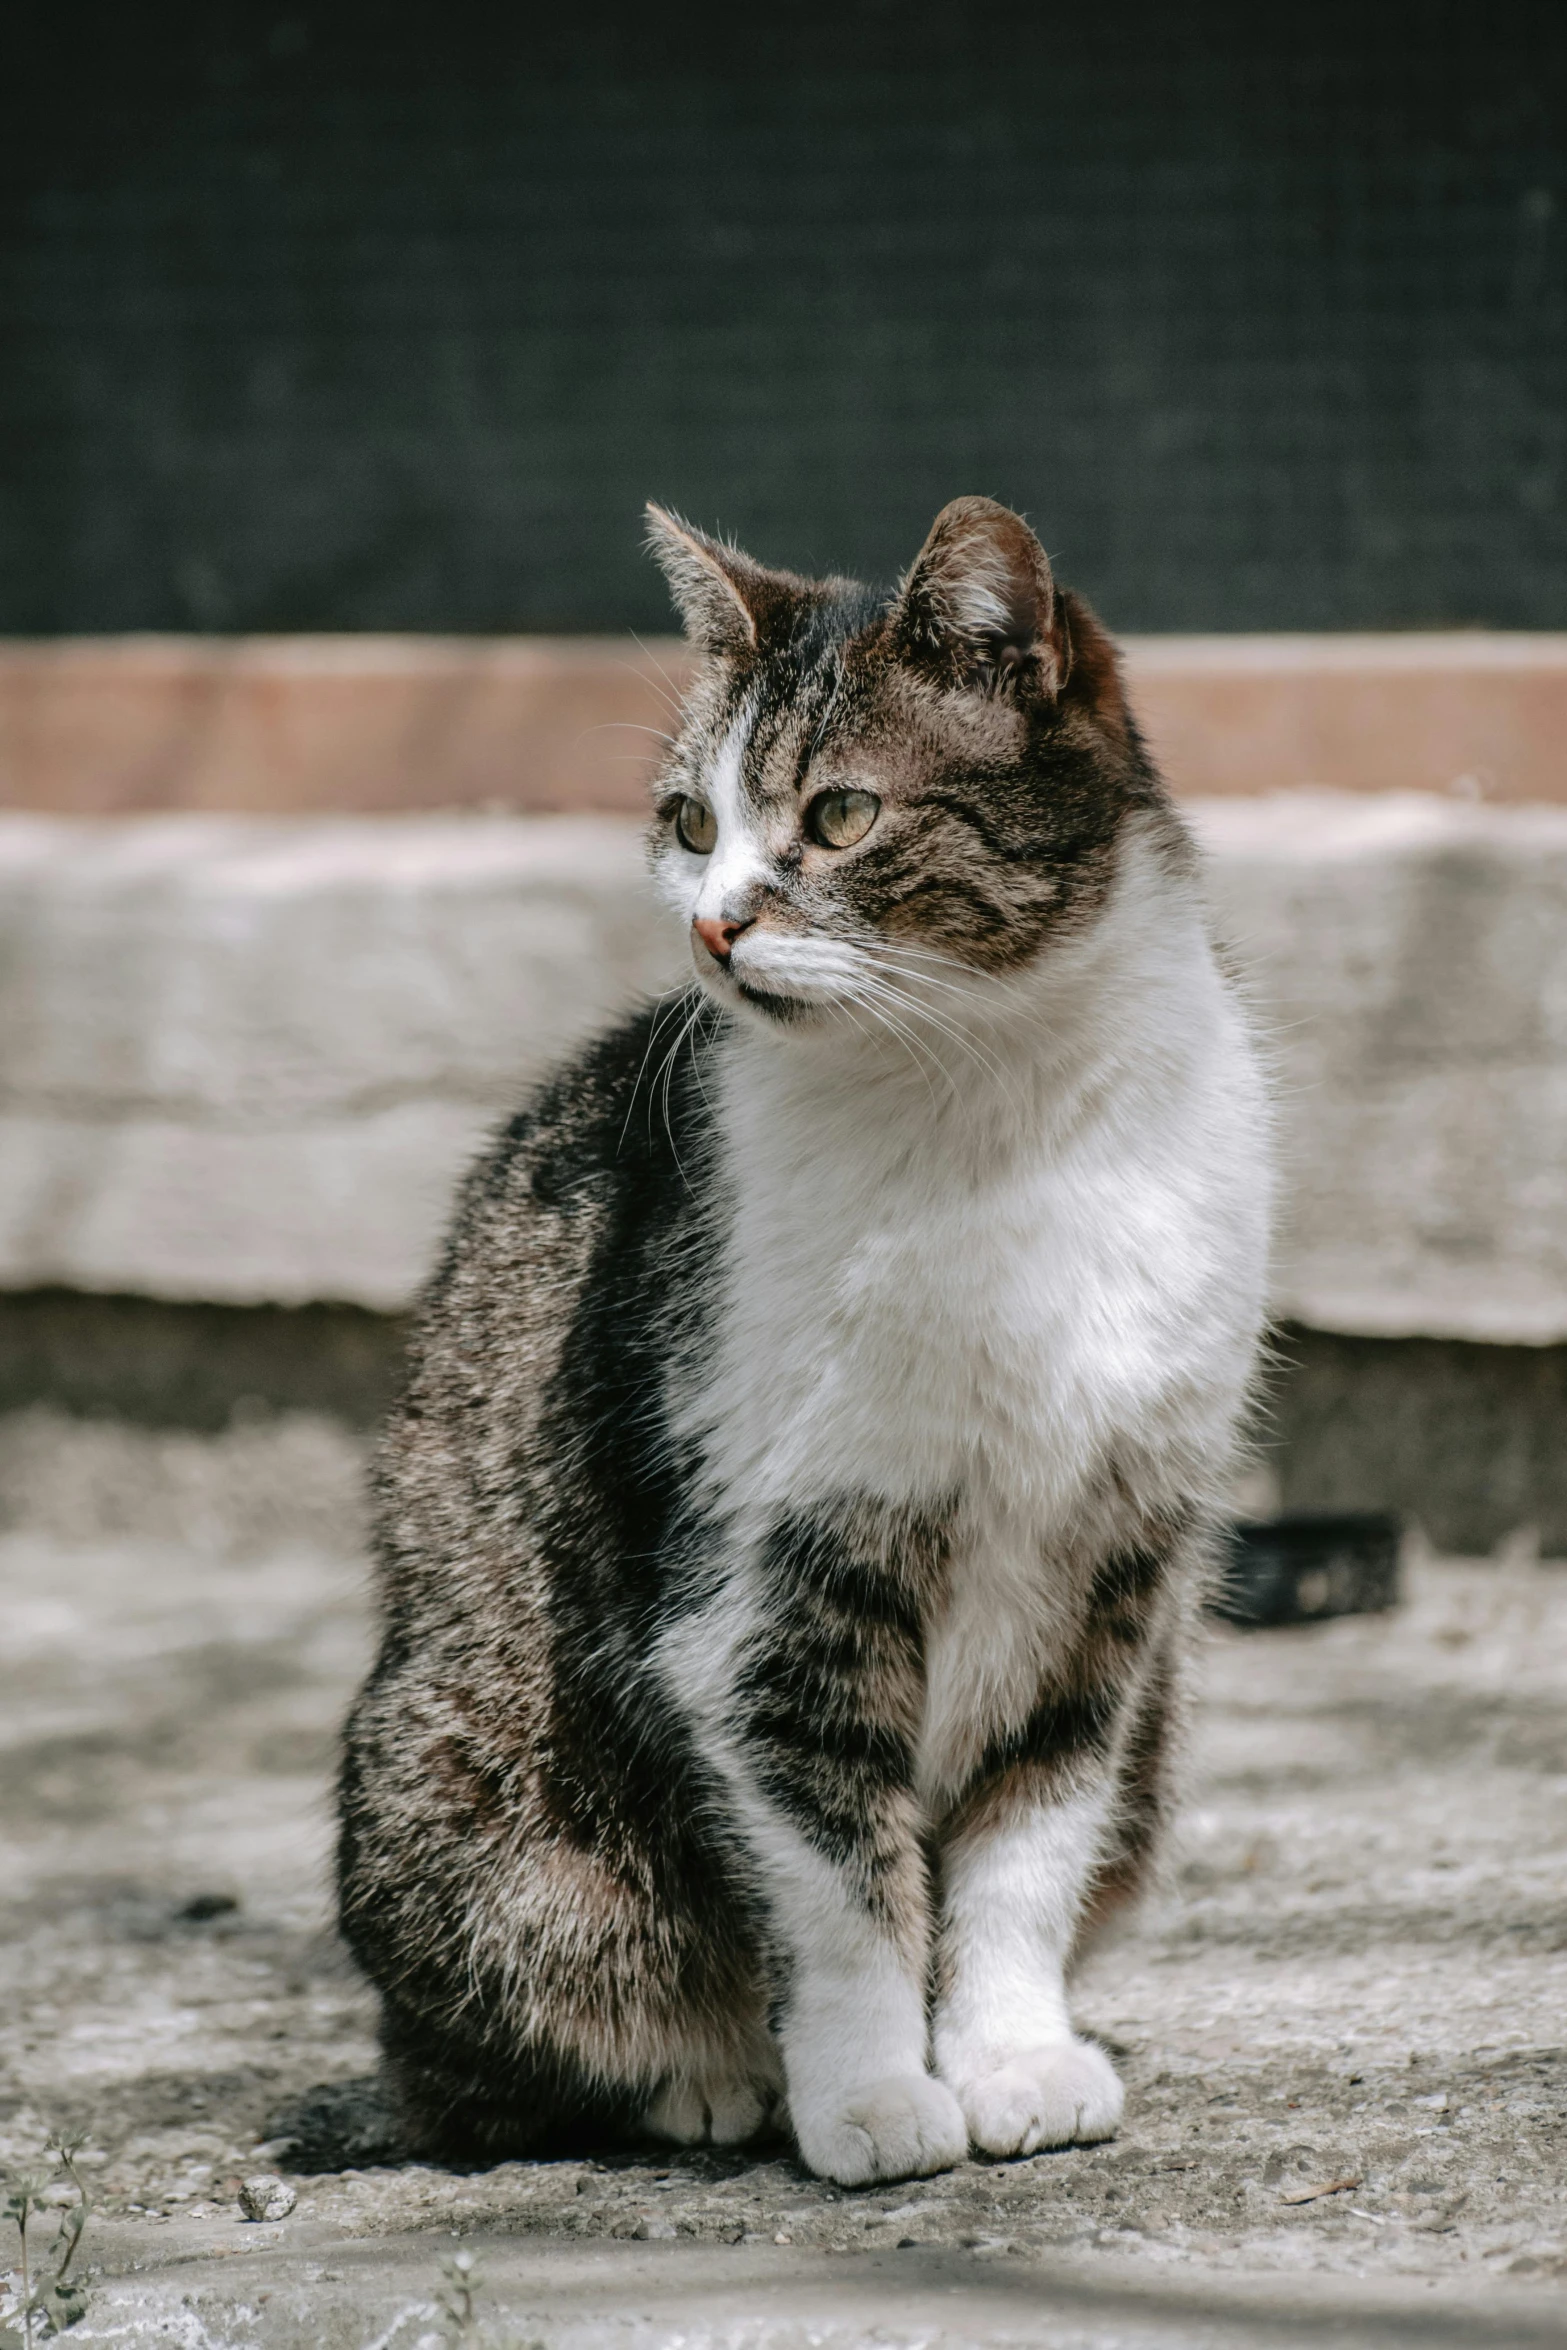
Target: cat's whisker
{"x": 969, "y": 984}
{"x": 960, "y": 1099}
{"x": 667, "y": 1072}
{"x": 886, "y": 959}
{"x": 941, "y": 1015}
{"x": 875, "y": 999}
{"x": 964, "y": 998}
{"x": 913, "y": 987}
{"x": 659, "y": 1090}
{"x": 846, "y": 1007}
{"x": 980, "y": 1055}
{"x": 902, "y": 1037}
{"x": 675, "y": 995}
{"x": 672, "y": 695}
{"x": 989, "y": 1068}
{"x": 625, "y": 726}
{"x": 696, "y": 1068}
{"x": 905, "y": 946}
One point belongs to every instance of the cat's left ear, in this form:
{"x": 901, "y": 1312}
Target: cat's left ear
{"x": 979, "y": 605}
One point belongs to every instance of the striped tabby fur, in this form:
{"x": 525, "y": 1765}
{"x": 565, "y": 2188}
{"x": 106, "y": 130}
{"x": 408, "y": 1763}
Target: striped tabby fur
{"x": 793, "y": 1521}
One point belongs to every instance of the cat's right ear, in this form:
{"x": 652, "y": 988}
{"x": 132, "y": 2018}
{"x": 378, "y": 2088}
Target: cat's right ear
{"x": 721, "y": 595}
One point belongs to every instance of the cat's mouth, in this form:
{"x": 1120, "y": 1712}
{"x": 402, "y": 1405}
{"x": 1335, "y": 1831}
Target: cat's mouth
{"x": 766, "y": 977}
{"x": 770, "y": 1002}
{"x": 788, "y": 979}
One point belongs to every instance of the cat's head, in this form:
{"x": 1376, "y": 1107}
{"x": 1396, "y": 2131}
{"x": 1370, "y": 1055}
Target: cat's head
{"x": 875, "y": 796}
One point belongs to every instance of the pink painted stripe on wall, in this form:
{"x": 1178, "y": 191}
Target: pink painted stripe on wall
{"x": 379, "y": 724}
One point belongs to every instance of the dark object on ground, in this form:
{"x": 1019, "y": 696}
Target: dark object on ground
{"x": 203, "y": 1907}
{"x": 1309, "y": 1564}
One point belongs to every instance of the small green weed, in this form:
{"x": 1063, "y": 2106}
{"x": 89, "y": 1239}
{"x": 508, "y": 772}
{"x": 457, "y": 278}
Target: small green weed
{"x": 462, "y": 2280}
{"x": 45, "y": 2303}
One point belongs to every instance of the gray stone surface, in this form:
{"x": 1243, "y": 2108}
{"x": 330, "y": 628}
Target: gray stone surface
{"x": 1409, "y": 958}
{"x": 1357, "y": 1973}
{"x": 243, "y": 1061}
{"x": 320, "y": 2290}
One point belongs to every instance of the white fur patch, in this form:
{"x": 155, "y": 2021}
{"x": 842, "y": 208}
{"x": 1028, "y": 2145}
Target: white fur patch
{"x": 1004, "y": 2042}
{"x": 1013, "y": 1896}
{"x": 740, "y": 857}
{"x": 819, "y": 970}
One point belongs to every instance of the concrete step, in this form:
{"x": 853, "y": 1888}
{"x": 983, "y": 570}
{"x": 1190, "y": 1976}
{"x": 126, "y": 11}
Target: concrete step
{"x": 242, "y": 1060}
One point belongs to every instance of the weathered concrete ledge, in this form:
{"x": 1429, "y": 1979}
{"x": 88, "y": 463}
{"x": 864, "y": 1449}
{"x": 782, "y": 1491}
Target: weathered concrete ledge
{"x": 242, "y": 1061}
{"x": 374, "y": 724}
{"x": 1408, "y": 958}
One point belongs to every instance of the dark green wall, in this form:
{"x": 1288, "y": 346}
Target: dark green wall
{"x": 391, "y": 318}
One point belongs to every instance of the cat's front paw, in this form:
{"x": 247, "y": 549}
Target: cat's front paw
{"x": 1066, "y": 2094}
{"x": 902, "y": 2127}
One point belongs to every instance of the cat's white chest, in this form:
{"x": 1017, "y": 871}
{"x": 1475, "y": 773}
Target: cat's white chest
{"x": 898, "y": 1322}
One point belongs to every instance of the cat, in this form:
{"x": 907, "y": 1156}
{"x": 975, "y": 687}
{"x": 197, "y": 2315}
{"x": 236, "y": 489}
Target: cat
{"x": 793, "y": 1524}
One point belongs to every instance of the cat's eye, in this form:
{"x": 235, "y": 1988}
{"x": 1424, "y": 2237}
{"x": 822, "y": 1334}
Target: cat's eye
{"x": 840, "y": 818}
{"x": 697, "y": 828}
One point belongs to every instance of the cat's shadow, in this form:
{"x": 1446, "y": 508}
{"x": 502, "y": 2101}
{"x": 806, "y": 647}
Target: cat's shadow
{"x": 338, "y": 2125}
{"x": 353, "y": 2125}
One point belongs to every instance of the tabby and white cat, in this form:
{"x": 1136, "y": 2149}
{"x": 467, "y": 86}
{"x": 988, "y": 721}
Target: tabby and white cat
{"x": 799, "y": 1502}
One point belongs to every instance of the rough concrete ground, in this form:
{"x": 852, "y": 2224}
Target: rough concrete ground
{"x": 1357, "y": 1982}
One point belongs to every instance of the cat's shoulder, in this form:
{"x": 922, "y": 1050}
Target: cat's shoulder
{"x": 623, "y": 1115}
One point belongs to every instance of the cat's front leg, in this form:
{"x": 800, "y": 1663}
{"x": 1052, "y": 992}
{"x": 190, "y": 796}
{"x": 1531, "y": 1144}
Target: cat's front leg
{"x": 807, "y": 1679}
{"x": 1016, "y": 1872}
{"x": 1063, "y": 1797}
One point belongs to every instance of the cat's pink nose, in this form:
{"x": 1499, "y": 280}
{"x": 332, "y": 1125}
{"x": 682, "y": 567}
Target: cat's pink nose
{"x": 718, "y": 936}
